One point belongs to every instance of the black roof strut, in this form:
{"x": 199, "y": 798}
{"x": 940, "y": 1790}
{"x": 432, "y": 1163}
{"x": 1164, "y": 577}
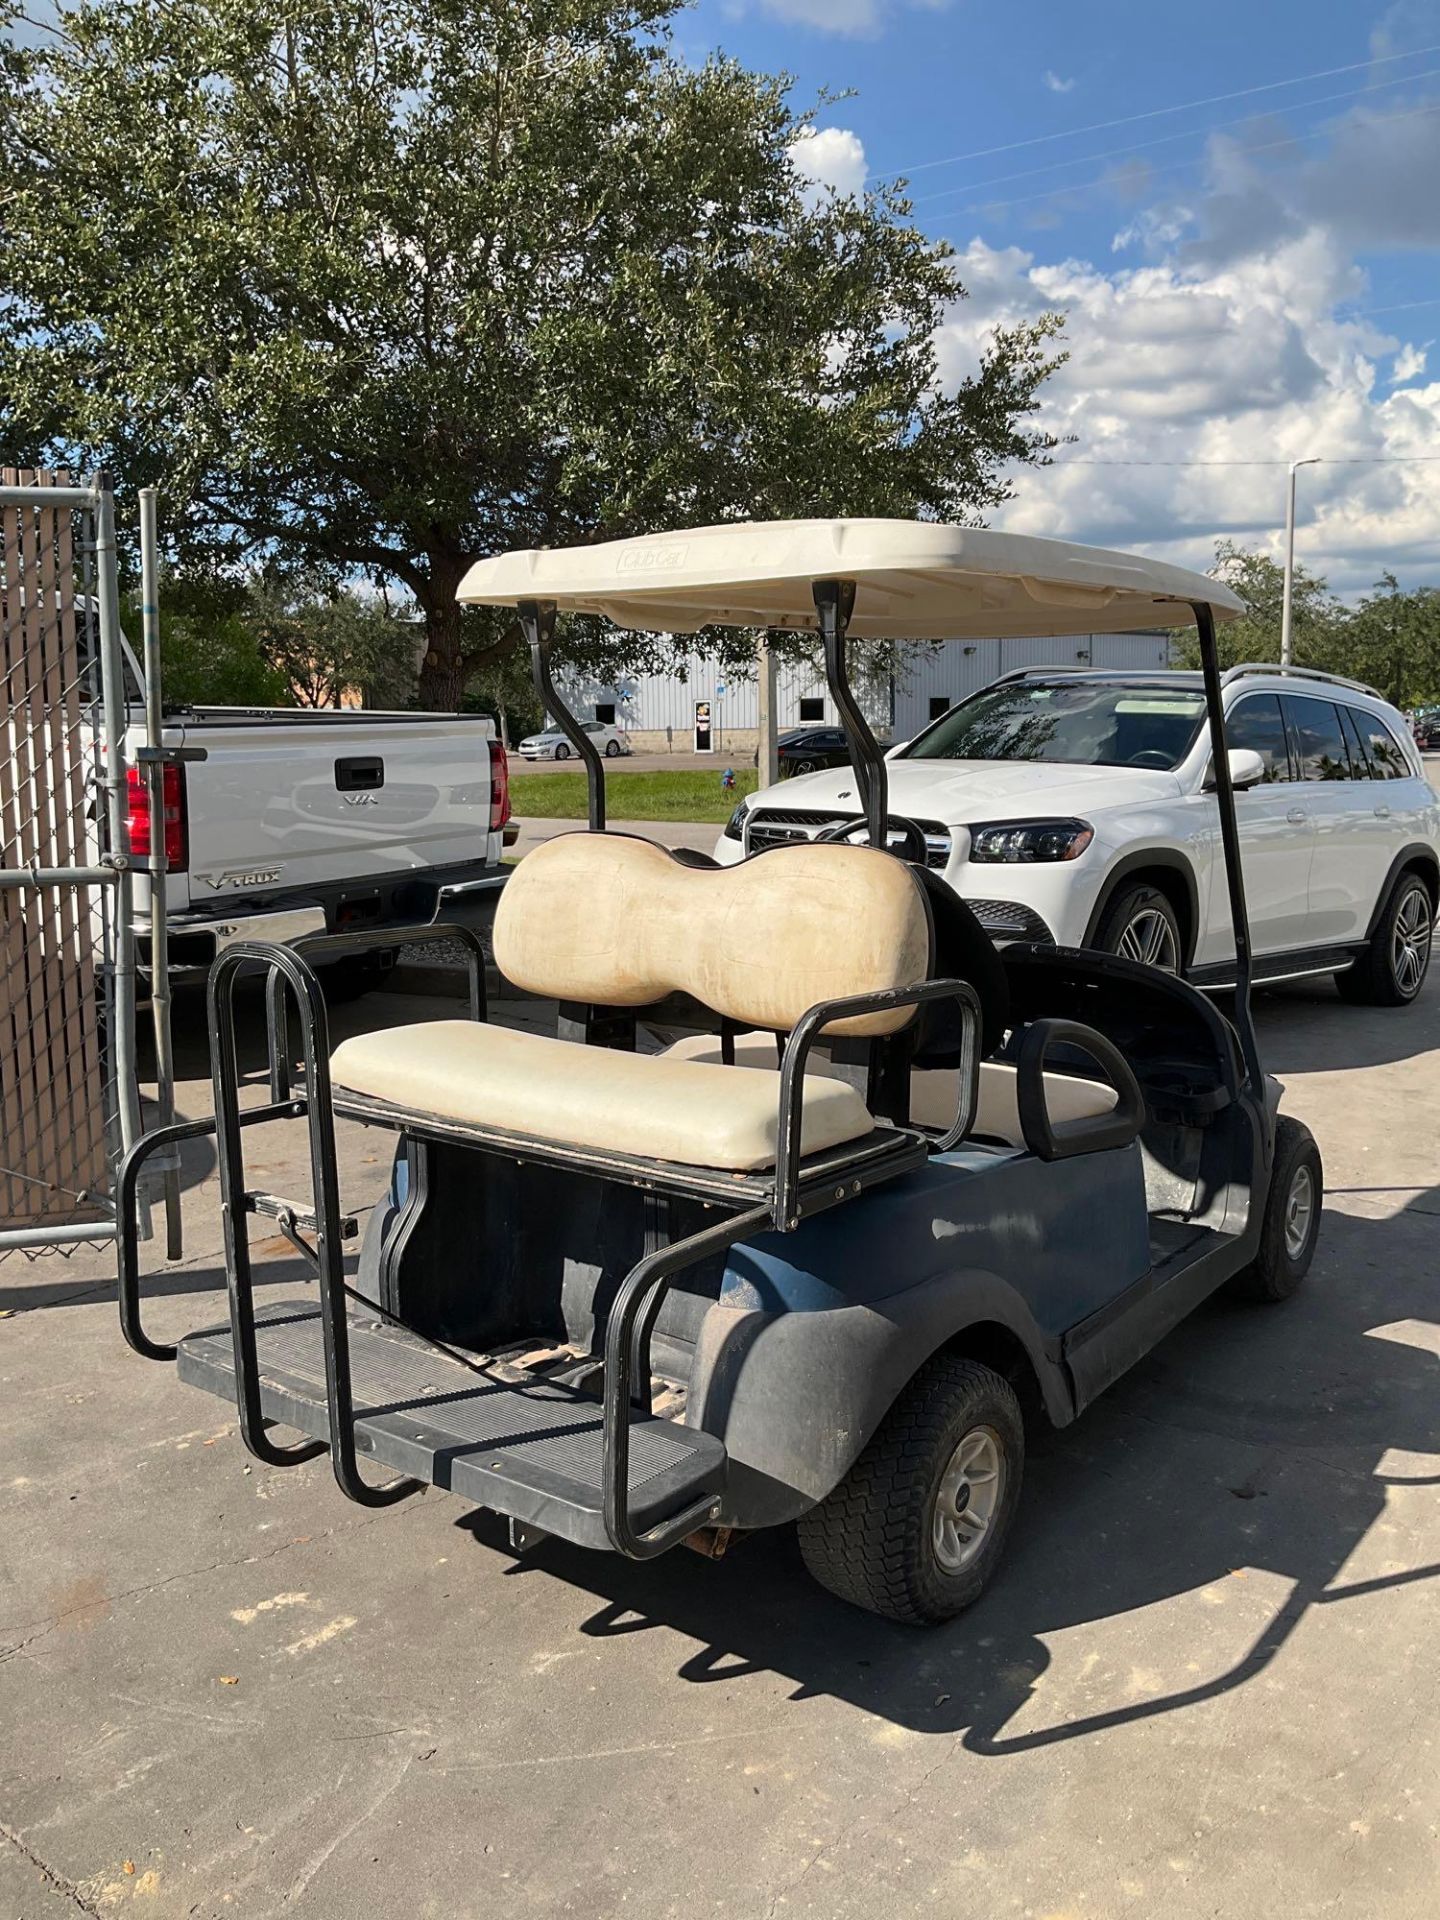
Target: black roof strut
{"x": 537, "y": 618}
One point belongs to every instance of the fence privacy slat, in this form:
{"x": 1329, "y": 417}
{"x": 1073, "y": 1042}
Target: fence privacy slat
{"x": 53, "y": 1159}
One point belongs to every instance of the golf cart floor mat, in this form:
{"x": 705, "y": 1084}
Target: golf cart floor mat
{"x": 532, "y": 1451}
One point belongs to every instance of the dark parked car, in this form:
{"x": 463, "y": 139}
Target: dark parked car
{"x": 807, "y": 749}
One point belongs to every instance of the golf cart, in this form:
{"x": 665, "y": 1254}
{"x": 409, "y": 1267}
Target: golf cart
{"x": 814, "y": 1260}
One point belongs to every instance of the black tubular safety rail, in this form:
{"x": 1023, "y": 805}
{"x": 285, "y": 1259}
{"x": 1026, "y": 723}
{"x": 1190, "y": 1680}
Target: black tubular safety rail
{"x": 785, "y": 1210}
{"x": 636, "y": 1306}
{"x": 284, "y": 1103}
{"x": 308, "y": 998}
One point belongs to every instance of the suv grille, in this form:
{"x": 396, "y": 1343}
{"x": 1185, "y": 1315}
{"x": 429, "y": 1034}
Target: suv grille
{"x": 782, "y": 826}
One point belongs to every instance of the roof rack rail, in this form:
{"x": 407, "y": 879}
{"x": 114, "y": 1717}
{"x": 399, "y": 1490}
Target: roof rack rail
{"x": 1298, "y": 673}
{"x": 1021, "y": 673}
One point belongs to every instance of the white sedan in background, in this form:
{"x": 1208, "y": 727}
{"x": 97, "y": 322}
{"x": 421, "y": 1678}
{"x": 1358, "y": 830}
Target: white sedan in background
{"x": 553, "y": 745}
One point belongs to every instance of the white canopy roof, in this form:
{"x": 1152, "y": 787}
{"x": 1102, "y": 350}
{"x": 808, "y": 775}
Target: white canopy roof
{"x": 914, "y": 579}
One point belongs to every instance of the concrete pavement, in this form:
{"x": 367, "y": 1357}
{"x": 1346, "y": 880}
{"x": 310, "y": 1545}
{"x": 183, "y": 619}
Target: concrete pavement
{"x": 1203, "y": 1686}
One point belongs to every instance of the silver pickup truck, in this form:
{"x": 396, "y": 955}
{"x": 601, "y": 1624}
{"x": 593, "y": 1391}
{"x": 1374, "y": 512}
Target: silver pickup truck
{"x": 284, "y": 822}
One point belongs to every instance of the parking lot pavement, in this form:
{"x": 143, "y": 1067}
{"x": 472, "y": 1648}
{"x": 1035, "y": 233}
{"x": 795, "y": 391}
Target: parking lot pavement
{"x": 1204, "y": 1684}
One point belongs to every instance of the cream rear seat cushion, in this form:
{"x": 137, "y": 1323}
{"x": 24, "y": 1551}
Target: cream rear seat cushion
{"x": 647, "y": 1105}
{"x": 616, "y": 921}
{"x": 935, "y": 1092}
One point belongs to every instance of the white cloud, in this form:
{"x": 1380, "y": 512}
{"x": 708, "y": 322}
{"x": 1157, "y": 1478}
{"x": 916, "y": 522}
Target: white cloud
{"x": 1055, "y": 83}
{"x": 1180, "y": 364}
{"x": 1223, "y": 336}
{"x": 1409, "y": 363}
{"x": 856, "y": 19}
{"x": 832, "y": 160}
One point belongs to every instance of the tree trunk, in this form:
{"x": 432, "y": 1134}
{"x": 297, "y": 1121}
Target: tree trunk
{"x": 442, "y": 677}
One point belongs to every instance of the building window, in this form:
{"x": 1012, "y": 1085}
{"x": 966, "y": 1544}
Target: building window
{"x": 939, "y": 706}
{"x": 811, "y": 709}
{"x": 605, "y": 713}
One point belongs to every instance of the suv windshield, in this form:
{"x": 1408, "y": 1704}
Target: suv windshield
{"x": 1083, "y": 723}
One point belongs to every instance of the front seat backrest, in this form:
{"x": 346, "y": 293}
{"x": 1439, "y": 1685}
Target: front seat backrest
{"x": 615, "y": 921}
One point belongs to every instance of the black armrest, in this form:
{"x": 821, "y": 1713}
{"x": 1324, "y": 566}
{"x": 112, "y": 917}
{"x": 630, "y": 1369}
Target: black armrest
{"x": 1093, "y": 1135}
{"x": 797, "y": 1051}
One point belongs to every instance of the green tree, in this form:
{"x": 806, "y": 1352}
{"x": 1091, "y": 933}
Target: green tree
{"x": 386, "y": 285}
{"x": 329, "y": 646}
{"x": 210, "y": 654}
{"x": 1392, "y": 640}
{"x": 1316, "y": 616}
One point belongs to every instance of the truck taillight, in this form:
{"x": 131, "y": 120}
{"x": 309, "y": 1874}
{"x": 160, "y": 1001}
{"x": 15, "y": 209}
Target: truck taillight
{"x": 137, "y": 818}
{"x": 499, "y": 787}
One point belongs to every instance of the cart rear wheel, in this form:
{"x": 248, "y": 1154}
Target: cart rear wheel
{"x": 1292, "y": 1217}
{"x": 917, "y": 1527}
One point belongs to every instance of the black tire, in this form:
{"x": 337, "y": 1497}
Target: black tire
{"x": 804, "y": 766}
{"x": 1139, "y": 907}
{"x": 1281, "y": 1264}
{"x": 1384, "y": 976}
{"x": 562, "y": 752}
{"x": 612, "y": 749}
{"x": 872, "y": 1541}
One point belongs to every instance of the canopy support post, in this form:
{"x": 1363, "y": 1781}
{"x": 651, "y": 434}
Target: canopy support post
{"x": 1230, "y": 842}
{"x": 537, "y": 618}
{"x": 835, "y": 603}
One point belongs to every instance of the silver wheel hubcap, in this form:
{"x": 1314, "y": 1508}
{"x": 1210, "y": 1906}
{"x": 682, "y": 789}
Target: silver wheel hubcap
{"x": 1410, "y": 942}
{"x": 969, "y": 1498}
{"x": 1299, "y": 1211}
{"x": 1150, "y": 938}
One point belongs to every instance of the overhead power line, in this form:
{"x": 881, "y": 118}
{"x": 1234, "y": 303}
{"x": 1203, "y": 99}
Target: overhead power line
{"x": 1154, "y": 113}
{"x": 1164, "y": 140}
{"x": 991, "y": 205}
{"x": 1321, "y": 460}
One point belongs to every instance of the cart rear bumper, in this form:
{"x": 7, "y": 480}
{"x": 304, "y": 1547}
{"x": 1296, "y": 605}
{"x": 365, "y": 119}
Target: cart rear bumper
{"x": 534, "y": 1452}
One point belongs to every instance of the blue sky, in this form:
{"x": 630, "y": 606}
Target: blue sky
{"x": 1249, "y": 279}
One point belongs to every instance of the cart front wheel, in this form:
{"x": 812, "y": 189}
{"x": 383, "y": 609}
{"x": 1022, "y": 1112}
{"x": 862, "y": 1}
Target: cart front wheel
{"x": 917, "y": 1527}
{"x": 1292, "y": 1217}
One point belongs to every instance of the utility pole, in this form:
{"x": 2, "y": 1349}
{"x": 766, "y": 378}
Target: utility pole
{"x": 1286, "y": 645}
{"x": 768, "y": 759}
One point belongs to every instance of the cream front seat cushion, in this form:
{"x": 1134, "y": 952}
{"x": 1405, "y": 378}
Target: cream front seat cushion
{"x": 616, "y": 921}
{"x": 650, "y": 1106}
{"x": 935, "y": 1093}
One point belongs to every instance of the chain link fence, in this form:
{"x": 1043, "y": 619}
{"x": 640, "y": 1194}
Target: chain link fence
{"x": 68, "y": 1097}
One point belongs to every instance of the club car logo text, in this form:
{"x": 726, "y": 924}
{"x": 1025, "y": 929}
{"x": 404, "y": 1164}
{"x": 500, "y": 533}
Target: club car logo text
{"x": 652, "y": 560}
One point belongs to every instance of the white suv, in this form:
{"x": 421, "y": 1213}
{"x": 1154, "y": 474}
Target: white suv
{"x": 1078, "y": 808}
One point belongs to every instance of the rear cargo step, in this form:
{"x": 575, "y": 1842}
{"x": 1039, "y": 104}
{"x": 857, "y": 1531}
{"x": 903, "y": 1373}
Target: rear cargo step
{"x": 532, "y": 1451}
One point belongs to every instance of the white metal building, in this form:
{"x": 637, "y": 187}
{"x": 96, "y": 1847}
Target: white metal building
{"x": 657, "y": 710}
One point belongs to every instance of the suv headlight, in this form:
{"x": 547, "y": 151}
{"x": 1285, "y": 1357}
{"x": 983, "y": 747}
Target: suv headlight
{"x": 735, "y": 825}
{"x": 1016, "y": 842}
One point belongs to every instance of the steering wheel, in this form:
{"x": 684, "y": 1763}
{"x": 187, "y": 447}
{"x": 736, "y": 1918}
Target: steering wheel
{"x": 1150, "y": 757}
{"x": 913, "y": 845}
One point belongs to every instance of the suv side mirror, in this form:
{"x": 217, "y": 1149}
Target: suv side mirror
{"x": 1247, "y": 769}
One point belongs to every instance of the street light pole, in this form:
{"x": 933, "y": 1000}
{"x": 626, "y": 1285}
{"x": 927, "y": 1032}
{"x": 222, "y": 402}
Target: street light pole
{"x": 1286, "y": 646}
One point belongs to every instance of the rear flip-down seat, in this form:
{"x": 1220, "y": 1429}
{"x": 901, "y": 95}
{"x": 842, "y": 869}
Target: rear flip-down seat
{"x": 643, "y": 1106}
{"x": 617, "y": 922}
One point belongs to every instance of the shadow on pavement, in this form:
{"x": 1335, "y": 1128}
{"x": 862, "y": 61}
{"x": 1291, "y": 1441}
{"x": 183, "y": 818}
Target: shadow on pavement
{"x": 1252, "y": 1439}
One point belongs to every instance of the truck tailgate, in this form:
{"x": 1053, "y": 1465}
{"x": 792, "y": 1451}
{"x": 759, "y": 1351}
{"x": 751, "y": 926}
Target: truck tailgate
{"x": 283, "y": 803}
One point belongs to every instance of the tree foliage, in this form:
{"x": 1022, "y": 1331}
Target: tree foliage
{"x": 1390, "y": 638}
{"x": 387, "y": 285}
